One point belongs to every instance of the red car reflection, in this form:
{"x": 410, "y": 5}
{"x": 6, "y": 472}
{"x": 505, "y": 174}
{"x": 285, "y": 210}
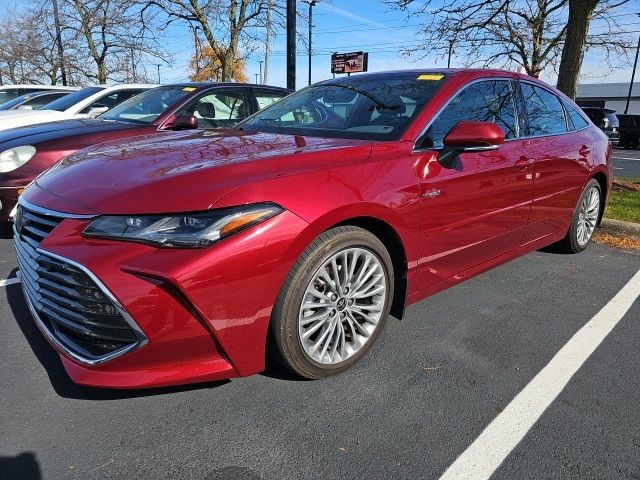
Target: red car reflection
{"x": 179, "y": 258}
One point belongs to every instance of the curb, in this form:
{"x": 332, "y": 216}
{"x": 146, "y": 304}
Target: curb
{"x": 618, "y": 226}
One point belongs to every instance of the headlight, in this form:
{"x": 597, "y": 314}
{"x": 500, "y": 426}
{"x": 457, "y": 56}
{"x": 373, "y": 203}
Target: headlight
{"x": 15, "y": 157}
{"x": 188, "y": 230}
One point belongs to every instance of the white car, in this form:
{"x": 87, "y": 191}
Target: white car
{"x": 88, "y": 102}
{"x": 9, "y": 92}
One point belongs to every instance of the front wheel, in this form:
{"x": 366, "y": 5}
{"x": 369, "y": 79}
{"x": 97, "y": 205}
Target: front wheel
{"x": 585, "y": 219}
{"x": 334, "y": 302}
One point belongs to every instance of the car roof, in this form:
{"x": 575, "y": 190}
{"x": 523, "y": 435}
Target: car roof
{"x": 44, "y": 87}
{"x": 222, "y": 84}
{"x": 474, "y": 72}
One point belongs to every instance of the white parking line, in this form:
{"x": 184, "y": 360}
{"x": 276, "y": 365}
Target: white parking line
{"x": 626, "y": 158}
{"x": 9, "y": 281}
{"x": 501, "y": 436}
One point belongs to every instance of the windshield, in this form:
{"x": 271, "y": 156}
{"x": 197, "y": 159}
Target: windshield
{"x": 12, "y": 103}
{"x": 147, "y": 106}
{"x": 376, "y": 107}
{"x": 70, "y": 100}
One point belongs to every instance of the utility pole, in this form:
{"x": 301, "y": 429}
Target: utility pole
{"x": 450, "y": 52}
{"x": 158, "y": 65}
{"x": 256, "y": 74}
{"x": 312, "y": 3}
{"x": 260, "y": 62}
{"x": 267, "y": 49}
{"x": 633, "y": 76}
{"x": 56, "y": 21}
{"x": 195, "y": 43}
{"x": 291, "y": 44}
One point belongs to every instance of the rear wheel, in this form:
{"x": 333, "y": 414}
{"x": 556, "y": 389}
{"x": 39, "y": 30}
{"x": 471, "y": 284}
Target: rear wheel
{"x": 585, "y": 219}
{"x": 334, "y": 302}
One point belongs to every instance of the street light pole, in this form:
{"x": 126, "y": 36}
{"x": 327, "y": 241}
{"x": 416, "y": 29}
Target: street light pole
{"x": 291, "y": 44}
{"x": 158, "y": 65}
{"x": 633, "y": 76}
{"x": 256, "y": 74}
{"x": 450, "y": 52}
{"x": 312, "y": 3}
{"x": 260, "y": 62}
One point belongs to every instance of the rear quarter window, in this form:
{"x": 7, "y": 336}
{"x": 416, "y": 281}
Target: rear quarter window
{"x": 576, "y": 119}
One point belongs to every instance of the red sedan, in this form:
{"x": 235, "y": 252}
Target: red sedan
{"x": 25, "y": 152}
{"x": 180, "y": 258}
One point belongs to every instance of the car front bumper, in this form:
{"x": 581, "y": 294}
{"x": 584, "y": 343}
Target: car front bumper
{"x": 200, "y": 314}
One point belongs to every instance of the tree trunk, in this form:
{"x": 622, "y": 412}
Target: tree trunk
{"x": 580, "y": 12}
{"x": 226, "y": 64}
{"x": 102, "y": 72}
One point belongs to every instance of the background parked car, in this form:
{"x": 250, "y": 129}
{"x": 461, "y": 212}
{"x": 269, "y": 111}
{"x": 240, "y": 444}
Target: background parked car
{"x": 32, "y": 101}
{"x": 88, "y": 102}
{"x": 9, "y": 92}
{"x": 606, "y": 120}
{"x": 629, "y": 130}
{"x": 32, "y": 149}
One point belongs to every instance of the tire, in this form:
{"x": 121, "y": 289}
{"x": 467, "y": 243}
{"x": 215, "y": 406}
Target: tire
{"x": 341, "y": 310}
{"x": 577, "y": 239}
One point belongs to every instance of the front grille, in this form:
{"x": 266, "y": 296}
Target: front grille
{"x": 76, "y": 312}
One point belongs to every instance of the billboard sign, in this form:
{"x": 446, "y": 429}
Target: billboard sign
{"x": 349, "y": 62}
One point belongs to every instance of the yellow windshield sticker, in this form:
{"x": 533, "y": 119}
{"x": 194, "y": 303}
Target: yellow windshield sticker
{"x": 431, "y": 76}
{"x": 188, "y": 89}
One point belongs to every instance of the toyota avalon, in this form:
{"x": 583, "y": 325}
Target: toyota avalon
{"x": 187, "y": 257}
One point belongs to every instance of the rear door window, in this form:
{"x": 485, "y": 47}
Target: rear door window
{"x": 220, "y": 108}
{"x": 264, "y": 98}
{"x": 545, "y": 115}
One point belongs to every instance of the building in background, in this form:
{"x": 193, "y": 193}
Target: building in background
{"x": 609, "y": 95}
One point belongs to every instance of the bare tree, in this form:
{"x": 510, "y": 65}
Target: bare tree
{"x": 114, "y": 34}
{"x": 509, "y": 33}
{"x": 225, "y": 24}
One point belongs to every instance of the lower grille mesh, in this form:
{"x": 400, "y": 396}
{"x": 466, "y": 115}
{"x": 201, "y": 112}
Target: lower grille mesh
{"x": 75, "y": 311}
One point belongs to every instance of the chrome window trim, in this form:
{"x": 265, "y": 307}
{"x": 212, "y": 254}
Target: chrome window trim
{"x": 528, "y": 137}
{"x": 454, "y": 95}
{"x": 52, "y": 213}
{"x": 141, "y": 337}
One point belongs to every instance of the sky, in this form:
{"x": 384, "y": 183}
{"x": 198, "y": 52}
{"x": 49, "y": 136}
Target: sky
{"x": 354, "y": 25}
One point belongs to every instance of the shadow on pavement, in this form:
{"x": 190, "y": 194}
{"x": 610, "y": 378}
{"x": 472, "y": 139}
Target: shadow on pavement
{"x": 20, "y": 467}
{"x": 51, "y": 362}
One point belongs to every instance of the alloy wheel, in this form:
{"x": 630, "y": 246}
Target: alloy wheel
{"x": 588, "y": 216}
{"x": 342, "y": 305}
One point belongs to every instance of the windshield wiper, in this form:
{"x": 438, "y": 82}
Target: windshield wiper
{"x": 371, "y": 97}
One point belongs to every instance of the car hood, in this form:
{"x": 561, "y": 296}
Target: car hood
{"x": 19, "y": 118}
{"x": 58, "y": 130}
{"x": 183, "y": 171}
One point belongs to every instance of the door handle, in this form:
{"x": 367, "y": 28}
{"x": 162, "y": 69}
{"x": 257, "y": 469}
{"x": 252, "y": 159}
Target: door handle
{"x": 523, "y": 163}
{"x": 584, "y": 151}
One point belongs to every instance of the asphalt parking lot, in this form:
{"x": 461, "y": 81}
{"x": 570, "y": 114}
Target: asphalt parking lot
{"x": 626, "y": 163}
{"x": 433, "y": 383}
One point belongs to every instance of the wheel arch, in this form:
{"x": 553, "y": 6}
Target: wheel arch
{"x": 393, "y": 243}
{"x": 601, "y": 178}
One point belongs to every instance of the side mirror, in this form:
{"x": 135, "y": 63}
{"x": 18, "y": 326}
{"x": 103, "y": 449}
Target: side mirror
{"x": 469, "y": 136}
{"x": 97, "y": 109}
{"x": 183, "y": 122}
